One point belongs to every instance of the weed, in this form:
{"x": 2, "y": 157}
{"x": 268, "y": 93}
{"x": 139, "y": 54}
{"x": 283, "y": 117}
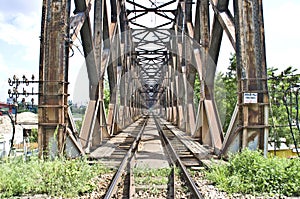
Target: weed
{"x": 60, "y": 177}
{"x": 250, "y": 173}
{"x": 148, "y": 176}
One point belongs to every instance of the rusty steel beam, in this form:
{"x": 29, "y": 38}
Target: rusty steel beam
{"x": 217, "y": 31}
{"x": 43, "y": 37}
{"x": 88, "y": 46}
{"x": 252, "y": 118}
{"x": 225, "y": 19}
{"x": 53, "y": 77}
{"x": 95, "y": 124}
{"x": 98, "y": 41}
{"x": 206, "y": 126}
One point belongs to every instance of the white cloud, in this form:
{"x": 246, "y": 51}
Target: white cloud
{"x": 19, "y": 37}
{"x": 20, "y": 6}
{"x": 282, "y": 33}
{"x": 3, "y": 65}
{"x": 3, "y": 80}
{"x": 20, "y": 29}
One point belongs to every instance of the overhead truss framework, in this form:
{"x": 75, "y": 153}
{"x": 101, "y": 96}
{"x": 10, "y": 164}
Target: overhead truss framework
{"x": 152, "y": 52}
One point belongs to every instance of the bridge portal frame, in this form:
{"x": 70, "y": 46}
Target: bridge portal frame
{"x": 109, "y": 46}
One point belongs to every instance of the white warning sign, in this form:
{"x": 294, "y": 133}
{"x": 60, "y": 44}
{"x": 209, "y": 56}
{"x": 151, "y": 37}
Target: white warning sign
{"x": 250, "y": 98}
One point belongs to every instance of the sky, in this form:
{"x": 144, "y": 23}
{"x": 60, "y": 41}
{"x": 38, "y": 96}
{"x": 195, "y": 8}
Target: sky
{"x": 20, "y": 30}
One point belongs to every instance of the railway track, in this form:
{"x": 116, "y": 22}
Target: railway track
{"x": 181, "y": 157}
{"x": 125, "y": 165}
{"x": 129, "y": 180}
{"x": 171, "y": 181}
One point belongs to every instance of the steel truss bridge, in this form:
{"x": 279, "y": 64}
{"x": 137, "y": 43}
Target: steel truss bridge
{"x": 152, "y": 52}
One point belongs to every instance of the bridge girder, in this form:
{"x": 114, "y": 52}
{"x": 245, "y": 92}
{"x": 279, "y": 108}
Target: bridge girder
{"x": 176, "y": 46}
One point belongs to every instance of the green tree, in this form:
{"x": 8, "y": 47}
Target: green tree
{"x": 284, "y": 85}
{"x": 280, "y": 84}
{"x": 34, "y": 135}
{"x": 106, "y": 96}
{"x": 197, "y": 91}
{"x": 78, "y": 124}
{"x": 226, "y": 92}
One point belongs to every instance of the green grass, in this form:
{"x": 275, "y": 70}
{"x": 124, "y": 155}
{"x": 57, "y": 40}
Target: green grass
{"x": 64, "y": 178}
{"x": 148, "y": 176}
{"x": 249, "y": 172}
{"x": 151, "y": 178}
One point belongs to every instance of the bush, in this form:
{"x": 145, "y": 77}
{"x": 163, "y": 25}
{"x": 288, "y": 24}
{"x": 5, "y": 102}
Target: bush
{"x": 64, "y": 178}
{"x": 249, "y": 172}
{"x": 33, "y": 136}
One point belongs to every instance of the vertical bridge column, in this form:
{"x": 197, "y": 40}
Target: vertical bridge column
{"x": 53, "y": 76}
{"x": 249, "y": 127}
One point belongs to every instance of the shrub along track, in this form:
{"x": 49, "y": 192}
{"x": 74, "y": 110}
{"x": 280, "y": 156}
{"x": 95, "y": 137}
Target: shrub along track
{"x": 184, "y": 178}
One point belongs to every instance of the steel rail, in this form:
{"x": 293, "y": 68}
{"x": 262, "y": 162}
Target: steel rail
{"x": 179, "y": 163}
{"x": 171, "y": 189}
{"x": 124, "y": 164}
